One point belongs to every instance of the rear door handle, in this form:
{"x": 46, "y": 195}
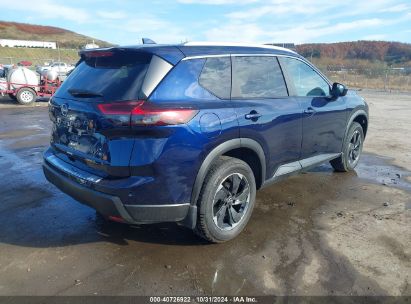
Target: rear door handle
{"x": 310, "y": 111}
{"x": 253, "y": 115}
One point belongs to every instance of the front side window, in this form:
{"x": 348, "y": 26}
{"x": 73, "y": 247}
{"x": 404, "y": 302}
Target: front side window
{"x": 307, "y": 82}
{"x": 216, "y": 76}
{"x": 257, "y": 77}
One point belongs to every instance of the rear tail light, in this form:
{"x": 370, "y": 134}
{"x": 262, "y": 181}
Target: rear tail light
{"x": 141, "y": 116}
{"x": 119, "y": 108}
{"x": 139, "y": 113}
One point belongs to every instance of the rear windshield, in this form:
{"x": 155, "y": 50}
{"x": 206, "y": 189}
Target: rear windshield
{"x": 115, "y": 76}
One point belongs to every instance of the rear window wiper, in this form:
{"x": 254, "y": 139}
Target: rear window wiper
{"x": 84, "y": 93}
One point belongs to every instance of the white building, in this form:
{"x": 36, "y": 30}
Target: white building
{"x": 28, "y": 43}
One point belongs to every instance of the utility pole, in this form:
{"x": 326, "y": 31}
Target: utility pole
{"x": 58, "y": 49}
{"x": 386, "y": 79}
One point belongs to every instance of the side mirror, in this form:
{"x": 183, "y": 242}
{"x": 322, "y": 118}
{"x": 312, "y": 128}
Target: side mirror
{"x": 338, "y": 90}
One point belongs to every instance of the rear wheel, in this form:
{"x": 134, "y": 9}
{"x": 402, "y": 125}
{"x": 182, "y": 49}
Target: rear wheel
{"x": 226, "y": 200}
{"x": 352, "y": 149}
{"x": 26, "y": 96}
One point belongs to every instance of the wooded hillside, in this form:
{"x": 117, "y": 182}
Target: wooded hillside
{"x": 389, "y": 52}
{"x": 64, "y": 38}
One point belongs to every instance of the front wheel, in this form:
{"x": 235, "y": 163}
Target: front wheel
{"x": 352, "y": 149}
{"x": 226, "y": 200}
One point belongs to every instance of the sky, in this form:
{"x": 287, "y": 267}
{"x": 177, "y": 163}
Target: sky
{"x": 125, "y": 22}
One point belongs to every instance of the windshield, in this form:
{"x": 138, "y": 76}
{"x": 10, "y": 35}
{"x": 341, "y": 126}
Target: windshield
{"x": 111, "y": 76}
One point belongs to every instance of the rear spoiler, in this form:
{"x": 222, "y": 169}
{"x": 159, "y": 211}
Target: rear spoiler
{"x": 171, "y": 54}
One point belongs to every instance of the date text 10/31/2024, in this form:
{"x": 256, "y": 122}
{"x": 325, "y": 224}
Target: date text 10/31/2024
{"x": 203, "y": 299}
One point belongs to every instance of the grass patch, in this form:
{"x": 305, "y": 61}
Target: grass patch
{"x": 37, "y": 56}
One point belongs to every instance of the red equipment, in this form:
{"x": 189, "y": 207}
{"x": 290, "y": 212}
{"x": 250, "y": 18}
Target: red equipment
{"x": 26, "y": 93}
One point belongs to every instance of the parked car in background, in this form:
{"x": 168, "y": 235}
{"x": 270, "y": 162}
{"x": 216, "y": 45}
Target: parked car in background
{"x": 41, "y": 68}
{"x": 25, "y": 63}
{"x": 60, "y": 67}
{"x": 188, "y": 133}
{"x": 7, "y": 68}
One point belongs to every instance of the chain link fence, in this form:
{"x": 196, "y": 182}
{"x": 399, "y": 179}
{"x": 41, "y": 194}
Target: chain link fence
{"x": 38, "y": 60}
{"x": 387, "y": 79}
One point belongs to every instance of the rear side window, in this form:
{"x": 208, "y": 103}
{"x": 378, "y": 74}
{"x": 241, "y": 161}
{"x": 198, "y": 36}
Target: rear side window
{"x": 257, "y": 77}
{"x": 114, "y": 75}
{"x": 307, "y": 82}
{"x": 216, "y": 77}
{"x": 182, "y": 84}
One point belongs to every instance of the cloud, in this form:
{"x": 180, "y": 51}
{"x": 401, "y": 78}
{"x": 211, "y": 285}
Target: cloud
{"x": 255, "y": 21}
{"x": 236, "y": 32}
{"x": 375, "y": 37}
{"x": 217, "y": 2}
{"x": 324, "y": 9}
{"x": 280, "y": 7}
{"x": 46, "y": 9}
{"x": 356, "y": 8}
{"x": 153, "y": 27}
{"x": 112, "y": 14}
{"x": 307, "y": 33}
{"x": 305, "y": 21}
{"x": 252, "y": 32}
{"x": 396, "y": 8}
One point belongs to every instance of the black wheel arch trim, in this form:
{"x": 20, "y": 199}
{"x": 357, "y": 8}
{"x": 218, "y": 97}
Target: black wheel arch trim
{"x": 191, "y": 219}
{"x": 220, "y": 150}
{"x": 353, "y": 116}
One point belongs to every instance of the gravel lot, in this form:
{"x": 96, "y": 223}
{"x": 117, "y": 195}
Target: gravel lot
{"x": 318, "y": 233}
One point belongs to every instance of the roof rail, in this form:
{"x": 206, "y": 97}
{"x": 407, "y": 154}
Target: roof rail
{"x": 211, "y": 43}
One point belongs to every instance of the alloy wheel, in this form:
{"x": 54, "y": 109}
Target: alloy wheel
{"x": 231, "y": 201}
{"x": 354, "y": 148}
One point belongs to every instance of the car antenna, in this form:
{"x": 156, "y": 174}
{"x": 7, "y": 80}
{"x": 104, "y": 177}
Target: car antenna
{"x": 148, "y": 41}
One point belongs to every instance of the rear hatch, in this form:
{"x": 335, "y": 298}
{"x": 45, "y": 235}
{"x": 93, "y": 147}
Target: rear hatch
{"x": 91, "y": 111}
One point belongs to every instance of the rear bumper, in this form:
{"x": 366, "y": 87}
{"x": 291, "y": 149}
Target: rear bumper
{"x": 110, "y": 205}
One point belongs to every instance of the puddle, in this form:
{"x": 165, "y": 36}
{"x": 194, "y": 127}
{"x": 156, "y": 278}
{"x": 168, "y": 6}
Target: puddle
{"x": 18, "y": 133}
{"x": 377, "y": 169}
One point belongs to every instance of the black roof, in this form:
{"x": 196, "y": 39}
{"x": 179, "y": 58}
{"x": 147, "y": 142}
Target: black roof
{"x": 174, "y": 53}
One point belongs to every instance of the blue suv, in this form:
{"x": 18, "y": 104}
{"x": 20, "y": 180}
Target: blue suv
{"x": 187, "y": 133}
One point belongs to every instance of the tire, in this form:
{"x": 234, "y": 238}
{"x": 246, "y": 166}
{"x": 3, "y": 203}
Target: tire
{"x": 223, "y": 212}
{"x": 26, "y": 96}
{"x": 352, "y": 149}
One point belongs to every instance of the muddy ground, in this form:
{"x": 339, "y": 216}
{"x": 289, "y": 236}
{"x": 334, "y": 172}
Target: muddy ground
{"x": 319, "y": 233}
